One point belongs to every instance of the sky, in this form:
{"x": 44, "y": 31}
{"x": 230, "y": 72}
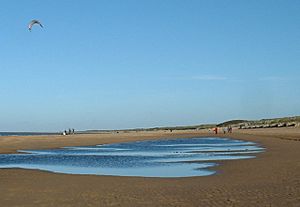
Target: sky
{"x": 130, "y": 63}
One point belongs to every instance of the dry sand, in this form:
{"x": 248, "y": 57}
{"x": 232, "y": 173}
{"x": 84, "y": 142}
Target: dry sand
{"x": 272, "y": 179}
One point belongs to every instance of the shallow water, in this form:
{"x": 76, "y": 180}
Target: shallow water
{"x": 156, "y": 158}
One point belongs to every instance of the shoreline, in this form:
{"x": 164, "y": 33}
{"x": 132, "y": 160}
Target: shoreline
{"x": 272, "y": 178}
{"x": 10, "y": 144}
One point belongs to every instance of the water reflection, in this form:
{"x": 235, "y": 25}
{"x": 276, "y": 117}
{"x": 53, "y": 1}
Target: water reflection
{"x": 156, "y": 158}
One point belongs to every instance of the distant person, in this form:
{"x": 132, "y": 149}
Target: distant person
{"x": 224, "y": 130}
{"x": 65, "y": 132}
{"x": 216, "y": 130}
{"x": 73, "y": 131}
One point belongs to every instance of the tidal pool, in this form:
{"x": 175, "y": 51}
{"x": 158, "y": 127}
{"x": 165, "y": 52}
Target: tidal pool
{"x": 183, "y": 157}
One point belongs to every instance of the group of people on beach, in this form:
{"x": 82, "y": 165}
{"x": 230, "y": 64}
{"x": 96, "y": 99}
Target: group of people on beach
{"x": 68, "y": 132}
{"x": 227, "y": 129}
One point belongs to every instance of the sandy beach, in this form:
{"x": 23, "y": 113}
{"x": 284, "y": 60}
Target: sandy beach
{"x": 271, "y": 179}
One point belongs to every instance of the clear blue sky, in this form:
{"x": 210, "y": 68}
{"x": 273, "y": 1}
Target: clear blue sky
{"x": 125, "y": 64}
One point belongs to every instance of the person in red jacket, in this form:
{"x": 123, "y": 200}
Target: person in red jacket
{"x": 216, "y": 130}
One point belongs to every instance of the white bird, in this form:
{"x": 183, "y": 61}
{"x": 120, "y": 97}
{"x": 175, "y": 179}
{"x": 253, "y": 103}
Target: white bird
{"x": 33, "y": 22}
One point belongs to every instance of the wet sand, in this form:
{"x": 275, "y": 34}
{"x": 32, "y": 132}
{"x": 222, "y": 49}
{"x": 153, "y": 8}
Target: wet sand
{"x": 272, "y": 179}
